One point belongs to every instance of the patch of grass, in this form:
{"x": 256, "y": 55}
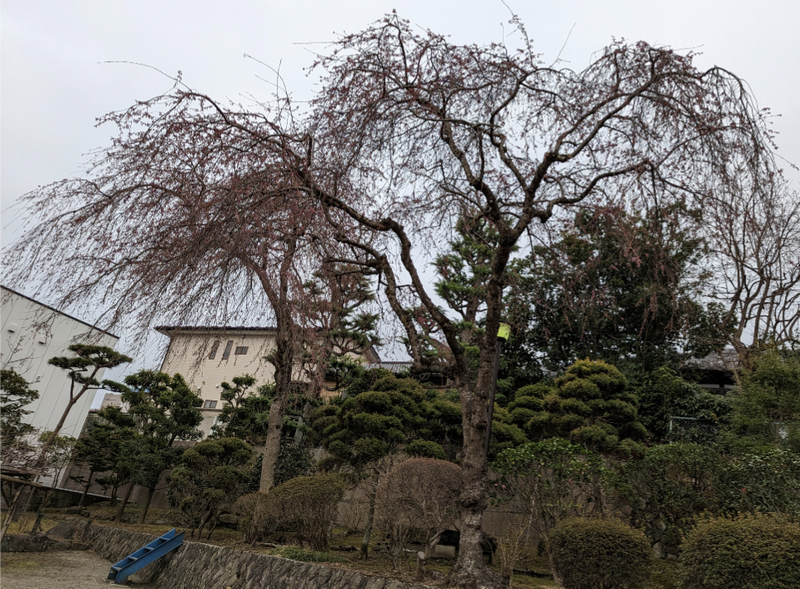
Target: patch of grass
{"x": 526, "y": 581}
{"x": 19, "y": 562}
{"x": 25, "y": 523}
{"x": 303, "y": 555}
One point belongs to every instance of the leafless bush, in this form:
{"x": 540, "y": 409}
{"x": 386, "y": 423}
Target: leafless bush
{"x": 421, "y": 494}
{"x": 353, "y": 511}
{"x": 513, "y": 542}
{"x": 255, "y": 519}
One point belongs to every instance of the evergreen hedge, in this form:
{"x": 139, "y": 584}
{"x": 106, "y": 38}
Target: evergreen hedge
{"x": 599, "y": 554}
{"x": 749, "y": 552}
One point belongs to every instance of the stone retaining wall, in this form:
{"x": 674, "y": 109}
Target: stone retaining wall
{"x": 203, "y": 566}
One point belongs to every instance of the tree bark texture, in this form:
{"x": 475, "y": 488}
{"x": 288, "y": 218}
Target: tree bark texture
{"x": 283, "y": 361}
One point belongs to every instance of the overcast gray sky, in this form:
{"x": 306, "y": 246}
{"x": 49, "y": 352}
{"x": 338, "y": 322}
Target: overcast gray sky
{"x": 58, "y": 73}
{"x": 61, "y": 59}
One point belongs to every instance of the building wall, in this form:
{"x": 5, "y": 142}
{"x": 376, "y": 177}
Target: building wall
{"x": 32, "y": 333}
{"x": 190, "y": 350}
{"x": 189, "y": 354}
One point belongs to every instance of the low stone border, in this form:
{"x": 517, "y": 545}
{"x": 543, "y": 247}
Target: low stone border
{"x": 204, "y": 566}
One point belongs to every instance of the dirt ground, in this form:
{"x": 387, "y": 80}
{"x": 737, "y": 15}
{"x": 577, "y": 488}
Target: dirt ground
{"x": 56, "y": 570}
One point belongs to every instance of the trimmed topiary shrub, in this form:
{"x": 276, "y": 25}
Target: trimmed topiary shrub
{"x": 421, "y": 494}
{"x": 599, "y": 554}
{"x": 749, "y": 552}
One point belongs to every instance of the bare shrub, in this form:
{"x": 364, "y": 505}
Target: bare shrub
{"x": 513, "y": 542}
{"x": 421, "y": 494}
{"x": 353, "y": 510}
{"x": 255, "y": 519}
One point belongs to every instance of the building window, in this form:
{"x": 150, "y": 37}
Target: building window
{"x": 227, "y": 353}
{"x": 209, "y": 405}
{"x": 240, "y": 350}
{"x": 214, "y": 349}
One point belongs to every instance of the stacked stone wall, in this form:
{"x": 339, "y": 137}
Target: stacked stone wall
{"x": 203, "y": 566}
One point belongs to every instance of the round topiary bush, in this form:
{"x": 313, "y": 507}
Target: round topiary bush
{"x": 307, "y": 505}
{"x": 599, "y": 554}
{"x": 749, "y": 552}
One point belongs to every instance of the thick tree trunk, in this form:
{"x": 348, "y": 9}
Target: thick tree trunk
{"x": 469, "y": 569}
{"x": 150, "y": 491}
{"x": 373, "y": 493}
{"x": 283, "y": 362}
{"x": 272, "y": 446}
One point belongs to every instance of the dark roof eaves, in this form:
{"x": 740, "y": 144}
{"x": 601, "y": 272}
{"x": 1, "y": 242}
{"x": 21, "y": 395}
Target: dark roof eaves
{"x": 167, "y": 329}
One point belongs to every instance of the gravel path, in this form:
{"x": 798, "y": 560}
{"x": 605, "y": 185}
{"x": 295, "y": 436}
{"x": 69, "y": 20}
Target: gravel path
{"x": 56, "y": 570}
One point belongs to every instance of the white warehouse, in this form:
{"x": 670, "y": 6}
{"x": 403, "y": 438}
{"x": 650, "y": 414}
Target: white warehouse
{"x": 32, "y": 333}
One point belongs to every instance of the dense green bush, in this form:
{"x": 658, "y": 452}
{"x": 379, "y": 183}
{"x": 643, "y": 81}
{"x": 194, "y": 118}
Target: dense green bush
{"x": 663, "y": 394}
{"x": 589, "y": 404}
{"x": 599, "y": 554}
{"x": 767, "y": 482}
{"x": 668, "y": 488}
{"x": 750, "y": 552}
{"x": 305, "y": 506}
{"x": 766, "y": 407}
{"x": 210, "y": 476}
{"x": 549, "y": 480}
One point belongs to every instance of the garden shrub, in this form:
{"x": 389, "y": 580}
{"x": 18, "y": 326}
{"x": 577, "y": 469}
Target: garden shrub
{"x": 254, "y": 516}
{"x": 599, "y": 554}
{"x": 750, "y": 552}
{"x": 418, "y": 494}
{"x": 767, "y": 482}
{"x": 668, "y": 488}
{"x": 307, "y": 506}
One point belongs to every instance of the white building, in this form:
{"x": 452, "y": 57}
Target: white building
{"x": 208, "y": 356}
{"x": 32, "y": 333}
